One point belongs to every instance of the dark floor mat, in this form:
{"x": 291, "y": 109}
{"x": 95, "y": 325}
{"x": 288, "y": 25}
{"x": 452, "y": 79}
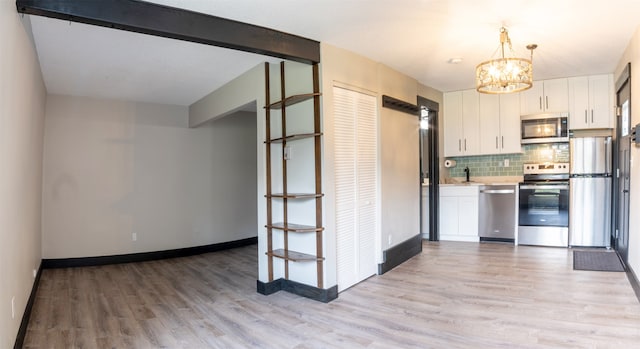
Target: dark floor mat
{"x": 596, "y": 261}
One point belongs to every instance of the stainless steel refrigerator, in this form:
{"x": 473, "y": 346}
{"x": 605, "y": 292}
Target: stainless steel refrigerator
{"x": 590, "y": 192}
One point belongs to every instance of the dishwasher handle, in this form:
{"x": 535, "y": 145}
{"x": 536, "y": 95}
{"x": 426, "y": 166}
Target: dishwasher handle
{"x": 497, "y": 191}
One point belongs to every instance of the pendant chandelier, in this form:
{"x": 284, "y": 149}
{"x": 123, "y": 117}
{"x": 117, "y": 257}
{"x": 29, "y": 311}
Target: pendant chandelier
{"x": 505, "y": 74}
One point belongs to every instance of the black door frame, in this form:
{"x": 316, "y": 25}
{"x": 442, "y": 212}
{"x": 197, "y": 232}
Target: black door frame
{"x": 623, "y": 81}
{"x": 434, "y": 169}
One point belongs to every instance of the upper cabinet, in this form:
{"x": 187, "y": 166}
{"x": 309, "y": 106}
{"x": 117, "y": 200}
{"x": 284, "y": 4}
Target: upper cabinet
{"x": 461, "y": 123}
{"x": 500, "y": 124}
{"x": 546, "y": 96}
{"x": 485, "y": 124}
{"x": 591, "y": 102}
{"x": 452, "y": 123}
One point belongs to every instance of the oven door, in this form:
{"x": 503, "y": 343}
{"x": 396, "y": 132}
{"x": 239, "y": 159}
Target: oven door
{"x": 544, "y": 205}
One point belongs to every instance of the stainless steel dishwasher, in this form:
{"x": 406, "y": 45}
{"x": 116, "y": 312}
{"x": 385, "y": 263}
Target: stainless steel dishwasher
{"x": 497, "y": 213}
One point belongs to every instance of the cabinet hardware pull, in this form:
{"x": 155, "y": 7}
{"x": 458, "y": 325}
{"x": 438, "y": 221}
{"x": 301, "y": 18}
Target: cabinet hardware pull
{"x": 502, "y": 142}
{"x": 465, "y": 144}
{"x": 585, "y": 116}
{"x": 592, "y": 116}
{"x": 540, "y": 101}
{"x": 546, "y": 98}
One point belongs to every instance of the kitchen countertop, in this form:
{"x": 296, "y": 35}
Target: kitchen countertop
{"x": 472, "y": 183}
{"x": 512, "y": 180}
{"x": 502, "y": 180}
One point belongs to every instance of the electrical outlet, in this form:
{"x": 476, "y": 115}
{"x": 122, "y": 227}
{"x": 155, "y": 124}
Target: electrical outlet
{"x": 13, "y": 307}
{"x": 389, "y": 239}
{"x": 506, "y": 162}
{"x": 134, "y": 237}
{"x": 35, "y": 272}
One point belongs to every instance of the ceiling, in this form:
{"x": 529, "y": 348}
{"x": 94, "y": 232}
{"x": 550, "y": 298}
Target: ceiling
{"x": 415, "y": 37}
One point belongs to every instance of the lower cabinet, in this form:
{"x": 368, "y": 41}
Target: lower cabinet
{"x": 459, "y": 213}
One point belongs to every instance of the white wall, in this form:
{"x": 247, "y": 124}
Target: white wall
{"x": 632, "y": 54}
{"x": 400, "y": 160}
{"x": 235, "y": 185}
{"x": 398, "y": 145}
{"x": 246, "y": 88}
{"x": 22, "y": 101}
{"x": 430, "y": 93}
{"x": 114, "y": 168}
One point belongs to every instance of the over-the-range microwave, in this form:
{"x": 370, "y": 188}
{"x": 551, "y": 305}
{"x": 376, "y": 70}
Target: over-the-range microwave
{"x": 544, "y": 128}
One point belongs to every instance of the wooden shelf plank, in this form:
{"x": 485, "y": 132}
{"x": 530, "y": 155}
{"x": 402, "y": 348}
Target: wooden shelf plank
{"x": 293, "y": 255}
{"x": 295, "y": 195}
{"x": 296, "y": 228}
{"x": 292, "y": 100}
{"x": 294, "y": 137}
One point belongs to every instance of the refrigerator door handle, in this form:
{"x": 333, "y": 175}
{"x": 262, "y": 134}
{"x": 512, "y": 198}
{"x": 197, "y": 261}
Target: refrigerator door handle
{"x": 608, "y": 155}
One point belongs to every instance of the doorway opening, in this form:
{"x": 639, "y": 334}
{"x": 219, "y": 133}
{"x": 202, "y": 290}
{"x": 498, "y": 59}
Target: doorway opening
{"x": 231, "y": 158}
{"x": 429, "y": 169}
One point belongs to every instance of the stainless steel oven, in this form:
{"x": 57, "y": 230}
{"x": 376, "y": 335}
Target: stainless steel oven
{"x": 543, "y": 212}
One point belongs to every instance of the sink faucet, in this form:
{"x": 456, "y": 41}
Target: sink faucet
{"x": 466, "y": 172}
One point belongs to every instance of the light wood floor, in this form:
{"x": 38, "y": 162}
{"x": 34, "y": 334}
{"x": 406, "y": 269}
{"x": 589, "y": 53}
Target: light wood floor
{"x": 453, "y": 295}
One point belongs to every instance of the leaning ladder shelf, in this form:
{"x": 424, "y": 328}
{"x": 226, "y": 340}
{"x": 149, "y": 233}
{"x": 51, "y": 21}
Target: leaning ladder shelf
{"x": 288, "y": 227}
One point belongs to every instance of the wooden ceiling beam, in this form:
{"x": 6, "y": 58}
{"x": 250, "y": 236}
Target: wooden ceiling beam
{"x": 175, "y": 23}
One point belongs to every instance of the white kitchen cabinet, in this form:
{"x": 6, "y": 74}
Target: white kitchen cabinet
{"x": 500, "y": 126}
{"x": 459, "y": 213}
{"x": 461, "y": 123}
{"x": 490, "y": 125}
{"x": 449, "y": 216}
{"x": 546, "y": 96}
{"x": 452, "y": 122}
{"x": 590, "y": 102}
{"x": 510, "y": 124}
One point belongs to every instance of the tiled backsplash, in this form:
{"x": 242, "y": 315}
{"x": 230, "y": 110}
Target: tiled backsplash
{"x": 493, "y": 165}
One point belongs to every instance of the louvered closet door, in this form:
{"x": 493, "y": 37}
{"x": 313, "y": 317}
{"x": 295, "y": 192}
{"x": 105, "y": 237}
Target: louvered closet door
{"x": 355, "y": 152}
